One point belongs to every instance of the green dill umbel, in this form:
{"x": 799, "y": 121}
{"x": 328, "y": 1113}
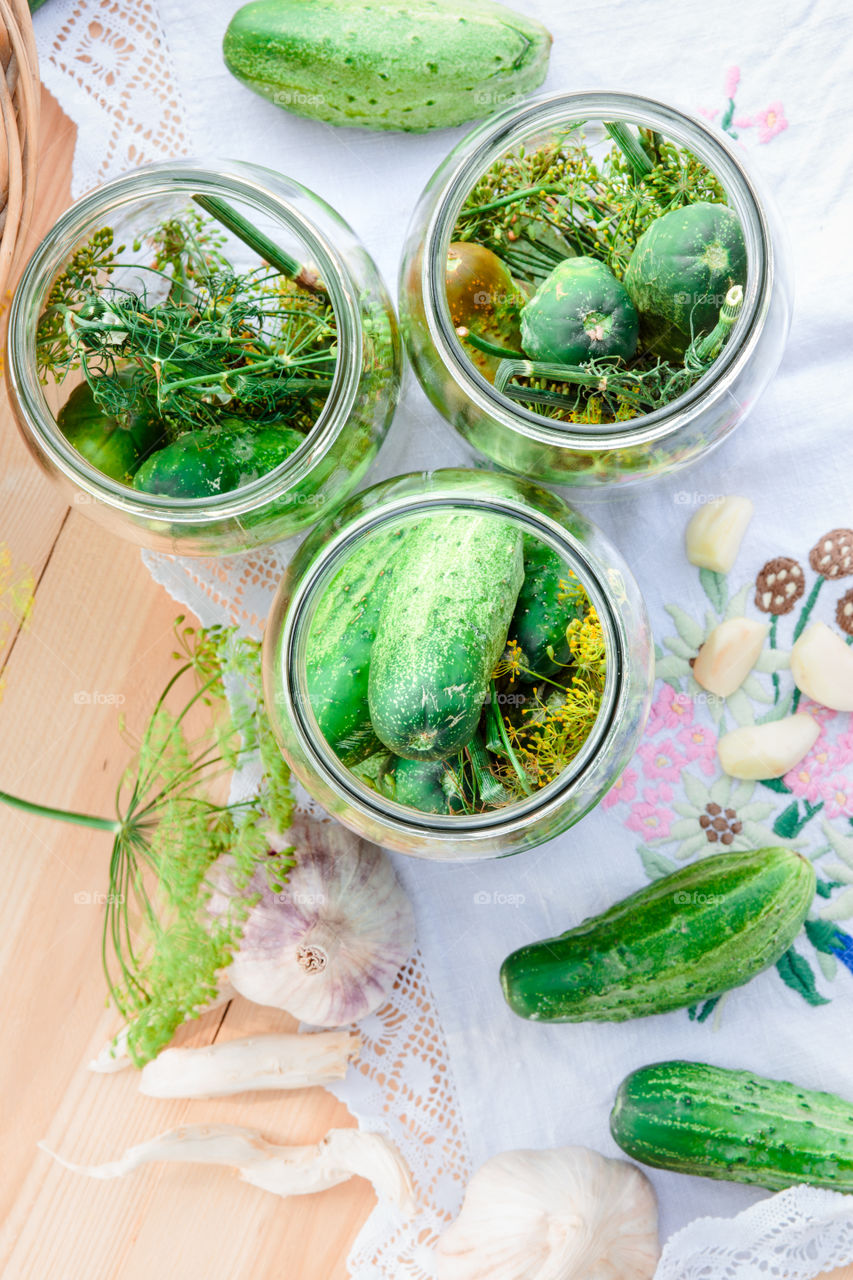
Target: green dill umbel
{"x": 163, "y": 954}
{"x": 561, "y": 210}
{"x": 170, "y": 331}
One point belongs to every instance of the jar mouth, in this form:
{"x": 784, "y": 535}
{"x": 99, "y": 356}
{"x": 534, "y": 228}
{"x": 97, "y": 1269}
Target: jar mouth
{"x": 493, "y": 140}
{"x": 237, "y": 181}
{"x": 291, "y": 676}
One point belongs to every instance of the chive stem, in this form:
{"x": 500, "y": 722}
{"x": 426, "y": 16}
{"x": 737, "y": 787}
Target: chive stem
{"x": 631, "y": 147}
{"x": 63, "y": 815}
{"x": 225, "y": 213}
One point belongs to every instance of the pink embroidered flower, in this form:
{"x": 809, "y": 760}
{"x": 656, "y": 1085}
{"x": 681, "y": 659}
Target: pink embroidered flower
{"x": 671, "y": 709}
{"x": 623, "y": 791}
{"x": 651, "y": 816}
{"x": 837, "y": 794}
{"x": 823, "y": 715}
{"x": 662, "y": 760}
{"x": 732, "y": 81}
{"x": 700, "y": 743}
{"x": 824, "y": 764}
{"x": 771, "y": 122}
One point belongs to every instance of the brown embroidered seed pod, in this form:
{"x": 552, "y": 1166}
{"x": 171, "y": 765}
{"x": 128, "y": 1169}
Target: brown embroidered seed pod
{"x": 720, "y": 825}
{"x": 844, "y": 612}
{"x": 779, "y": 585}
{"x": 832, "y": 555}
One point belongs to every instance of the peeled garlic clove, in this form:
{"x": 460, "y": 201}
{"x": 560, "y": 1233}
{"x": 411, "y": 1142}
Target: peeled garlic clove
{"x": 561, "y": 1214}
{"x": 822, "y": 666}
{"x": 716, "y": 531}
{"x": 291, "y": 1061}
{"x": 328, "y": 945}
{"x": 729, "y": 654}
{"x": 767, "y": 750}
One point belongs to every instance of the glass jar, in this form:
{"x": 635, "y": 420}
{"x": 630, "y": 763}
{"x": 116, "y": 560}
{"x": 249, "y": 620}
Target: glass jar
{"x": 609, "y": 745}
{"x": 584, "y": 453}
{"x": 357, "y": 410}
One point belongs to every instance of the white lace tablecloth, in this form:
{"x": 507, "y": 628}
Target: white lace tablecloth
{"x": 144, "y": 80}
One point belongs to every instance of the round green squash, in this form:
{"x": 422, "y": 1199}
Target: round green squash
{"x": 199, "y": 464}
{"x": 579, "y": 311}
{"x": 113, "y": 446}
{"x": 680, "y": 271}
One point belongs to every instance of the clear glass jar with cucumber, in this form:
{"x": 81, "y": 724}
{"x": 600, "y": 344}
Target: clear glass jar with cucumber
{"x": 457, "y": 665}
{"x": 594, "y": 288}
{"x": 206, "y": 356}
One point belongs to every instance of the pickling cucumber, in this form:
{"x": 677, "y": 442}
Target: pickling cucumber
{"x": 441, "y": 630}
{"x": 684, "y": 938}
{"x": 113, "y": 445}
{"x": 733, "y": 1125}
{"x": 339, "y": 645}
{"x": 580, "y": 311}
{"x": 381, "y": 64}
{"x": 198, "y": 464}
{"x": 419, "y": 784}
{"x": 542, "y": 612}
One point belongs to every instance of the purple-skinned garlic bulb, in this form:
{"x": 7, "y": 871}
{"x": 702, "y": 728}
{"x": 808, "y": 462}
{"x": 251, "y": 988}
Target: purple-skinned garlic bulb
{"x": 326, "y": 947}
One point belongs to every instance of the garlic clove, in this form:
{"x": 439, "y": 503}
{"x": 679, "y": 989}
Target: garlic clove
{"x": 767, "y": 750}
{"x": 566, "y": 1213}
{"x": 729, "y": 654}
{"x": 288, "y": 1061}
{"x": 716, "y": 531}
{"x": 822, "y": 666}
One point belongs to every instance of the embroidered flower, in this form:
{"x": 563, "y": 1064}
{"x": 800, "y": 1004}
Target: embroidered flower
{"x": 770, "y": 122}
{"x": 732, "y": 82}
{"x": 651, "y": 816}
{"x": 844, "y": 613}
{"x": 720, "y": 825}
{"x": 671, "y": 709}
{"x": 700, "y": 744}
{"x": 837, "y": 794}
{"x": 832, "y": 555}
{"x": 623, "y": 791}
{"x": 706, "y": 812}
{"x": 779, "y": 585}
{"x": 662, "y": 759}
{"x": 828, "y": 758}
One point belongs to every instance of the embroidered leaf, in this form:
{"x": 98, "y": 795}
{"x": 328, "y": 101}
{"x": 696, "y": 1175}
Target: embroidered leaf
{"x": 773, "y": 660}
{"x": 721, "y": 789}
{"x": 670, "y": 666}
{"x": 741, "y": 793}
{"x": 741, "y": 708}
{"x": 826, "y": 888}
{"x": 842, "y": 845}
{"x": 789, "y": 823}
{"x": 655, "y": 864}
{"x": 707, "y": 1009}
{"x": 684, "y": 828}
{"x": 715, "y": 587}
{"x": 753, "y": 688}
{"x": 841, "y": 908}
{"x": 677, "y": 646}
{"x": 796, "y": 972}
{"x": 696, "y": 844}
{"x": 684, "y": 810}
{"x": 759, "y": 834}
{"x": 781, "y": 709}
{"x": 756, "y": 810}
{"x": 824, "y": 936}
{"x": 828, "y": 965}
{"x": 694, "y": 790}
{"x": 776, "y": 784}
{"x": 737, "y": 604}
{"x": 658, "y": 651}
{"x": 690, "y": 631}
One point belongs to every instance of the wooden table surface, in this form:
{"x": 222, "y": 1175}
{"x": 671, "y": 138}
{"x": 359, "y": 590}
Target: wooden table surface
{"x": 100, "y": 626}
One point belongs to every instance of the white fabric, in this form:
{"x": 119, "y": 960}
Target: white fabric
{"x": 144, "y": 79}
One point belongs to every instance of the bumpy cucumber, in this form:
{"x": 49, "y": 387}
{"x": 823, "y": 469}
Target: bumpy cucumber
{"x": 339, "y": 644}
{"x": 198, "y": 464}
{"x": 115, "y": 446}
{"x": 418, "y": 783}
{"x": 733, "y": 1125}
{"x": 680, "y": 271}
{"x": 441, "y": 631}
{"x": 580, "y": 311}
{"x": 541, "y": 617}
{"x": 381, "y": 64}
{"x": 702, "y": 930}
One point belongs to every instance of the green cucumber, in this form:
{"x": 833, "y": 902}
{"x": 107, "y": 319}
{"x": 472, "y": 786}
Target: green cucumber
{"x": 339, "y": 644}
{"x": 689, "y": 936}
{"x": 425, "y": 64}
{"x": 735, "y": 1126}
{"x": 441, "y": 631}
{"x": 541, "y": 617}
{"x": 579, "y": 312}
{"x": 198, "y": 464}
{"x": 426, "y": 785}
{"x": 113, "y": 445}
{"x": 681, "y": 268}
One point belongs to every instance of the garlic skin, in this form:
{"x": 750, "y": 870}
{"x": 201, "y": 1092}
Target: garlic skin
{"x": 822, "y": 666}
{"x": 729, "y": 654}
{"x": 566, "y": 1213}
{"x": 767, "y": 750}
{"x": 716, "y": 531}
{"x": 327, "y": 948}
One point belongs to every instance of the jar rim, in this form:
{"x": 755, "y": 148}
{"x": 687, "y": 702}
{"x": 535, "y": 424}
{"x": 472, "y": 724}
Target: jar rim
{"x": 289, "y": 668}
{"x": 254, "y": 185}
{"x": 492, "y": 139}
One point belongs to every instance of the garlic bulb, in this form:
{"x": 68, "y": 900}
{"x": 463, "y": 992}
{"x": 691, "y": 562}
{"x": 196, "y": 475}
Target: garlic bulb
{"x": 562, "y": 1214}
{"x": 327, "y": 948}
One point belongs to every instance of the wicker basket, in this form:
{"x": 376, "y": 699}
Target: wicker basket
{"x": 19, "y": 104}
